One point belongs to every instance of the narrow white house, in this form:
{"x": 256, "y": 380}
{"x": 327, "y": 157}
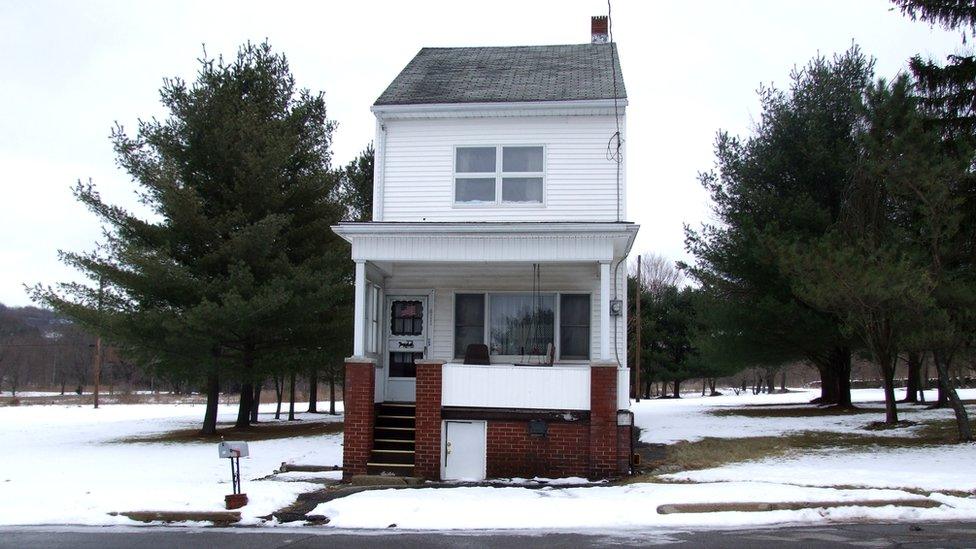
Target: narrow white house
{"x": 490, "y": 312}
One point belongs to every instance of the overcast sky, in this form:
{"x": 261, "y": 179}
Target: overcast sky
{"x": 69, "y": 70}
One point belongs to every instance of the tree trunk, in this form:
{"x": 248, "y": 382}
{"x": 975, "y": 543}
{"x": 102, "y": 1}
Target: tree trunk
{"x": 244, "y": 408}
{"x": 677, "y": 388}
{"x": 942, "y": 398}
{"x": 291, "y": 396}
{"x": 945, "y": 383}
{"x": 247, "y": 389}
{"x": 279, "y": 391}
{"x": 923, "y": 380}
{"x": 782, "y": 382}
{"x": 914, "y": 373}
{"x": 256, "y": 401}
{"x": 332, "y": 396}
{"x": 887, "y": 361}
{"x": 840, "y": 361}
{"x": 771, "y": 383}
{"x": 213, "y": 397}
{"x": 704, "y": 386}
{"x": 313, "y": 389}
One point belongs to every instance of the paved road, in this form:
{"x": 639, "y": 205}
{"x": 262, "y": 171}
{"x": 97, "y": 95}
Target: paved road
{"x": 854, "y": 535}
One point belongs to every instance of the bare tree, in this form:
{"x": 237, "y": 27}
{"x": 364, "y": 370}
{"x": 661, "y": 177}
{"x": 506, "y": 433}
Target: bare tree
{"x": 657, "y": 273}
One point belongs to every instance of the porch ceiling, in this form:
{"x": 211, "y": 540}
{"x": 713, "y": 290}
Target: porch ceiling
{"x": 488, "y": 242}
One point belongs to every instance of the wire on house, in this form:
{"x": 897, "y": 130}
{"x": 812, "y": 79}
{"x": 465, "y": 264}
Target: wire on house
{"x": 615, "y": 144}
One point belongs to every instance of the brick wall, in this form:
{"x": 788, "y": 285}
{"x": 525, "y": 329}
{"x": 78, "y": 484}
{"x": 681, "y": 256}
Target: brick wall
{"x": 562, "y": 452}
{"x": 427, "y": 456}
{"x": 603, "y": 420}
{"x": 358, "y": 416}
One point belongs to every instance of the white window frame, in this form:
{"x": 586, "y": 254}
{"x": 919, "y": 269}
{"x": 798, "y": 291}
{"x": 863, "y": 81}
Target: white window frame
{"x": 557, "y": 318}
{"x": 498, "y": 174}
{"x": 373, "y": 314}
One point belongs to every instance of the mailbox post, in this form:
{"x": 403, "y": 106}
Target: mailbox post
{"x": 234, "y": 451}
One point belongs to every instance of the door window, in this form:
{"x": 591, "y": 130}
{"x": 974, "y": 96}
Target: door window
{"x": 407, "y": 318}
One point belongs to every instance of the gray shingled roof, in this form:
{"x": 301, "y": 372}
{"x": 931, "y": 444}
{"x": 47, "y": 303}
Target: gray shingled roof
{"x": 494, "y": 75}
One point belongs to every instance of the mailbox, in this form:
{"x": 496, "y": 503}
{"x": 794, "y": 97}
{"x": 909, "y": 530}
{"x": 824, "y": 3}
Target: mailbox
{"x": 232, "y": 449}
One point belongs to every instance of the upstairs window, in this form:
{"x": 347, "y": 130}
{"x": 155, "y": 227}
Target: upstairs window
{"x": 499, "y": 175}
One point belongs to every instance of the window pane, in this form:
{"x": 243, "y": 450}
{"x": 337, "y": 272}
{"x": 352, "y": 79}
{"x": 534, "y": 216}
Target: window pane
{"x": 521, "y": 324}
{"x": 522, "y": 189}
{"x": 407, "y": 318}
{"x": 469, "y": 321}
{"x": 574, "y": 326}
{"x": 402, "y": 364}
{"x": 475, "y": 159}
{"x": 474, "y": 190}
{"x": 522, "y": 159}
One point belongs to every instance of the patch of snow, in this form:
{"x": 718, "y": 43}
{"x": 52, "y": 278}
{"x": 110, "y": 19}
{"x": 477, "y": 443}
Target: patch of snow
{"x": 63, "y": 464}
{"x": 689, "y": 418}
{"x": 630, "y": 506}
{"x": 926, "y": 468}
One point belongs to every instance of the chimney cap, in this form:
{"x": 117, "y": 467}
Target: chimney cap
{"x": 599, "y": 29}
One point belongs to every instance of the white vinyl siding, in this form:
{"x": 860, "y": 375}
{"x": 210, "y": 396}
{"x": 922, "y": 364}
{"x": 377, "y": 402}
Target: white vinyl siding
{"x": 580, "y": 182}
{"x": 446, "y": 279}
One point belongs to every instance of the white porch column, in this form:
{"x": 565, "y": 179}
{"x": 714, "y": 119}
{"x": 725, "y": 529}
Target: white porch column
{"x": 359, "y": 312}
{"x": 604, "y": 310}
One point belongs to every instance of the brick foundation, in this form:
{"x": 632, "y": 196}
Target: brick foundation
{"x": 427, "y": 457}
{"x": 562, "y": 452}
{"x": 359, "y": 415}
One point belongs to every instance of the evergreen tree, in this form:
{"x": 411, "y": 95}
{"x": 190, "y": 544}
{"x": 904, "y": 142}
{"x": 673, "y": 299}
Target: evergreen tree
{"x": 237, "y": 268}
{"x": 356, "y": 186}
{"x": 784, "y": 183}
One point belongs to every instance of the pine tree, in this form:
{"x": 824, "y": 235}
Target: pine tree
{"x": 784, "y": 182}
{"x": 356, "y": 186}
{"x": 237, "y": 269}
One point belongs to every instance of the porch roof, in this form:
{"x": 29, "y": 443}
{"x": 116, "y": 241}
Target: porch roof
{"x": 488, "y": 241}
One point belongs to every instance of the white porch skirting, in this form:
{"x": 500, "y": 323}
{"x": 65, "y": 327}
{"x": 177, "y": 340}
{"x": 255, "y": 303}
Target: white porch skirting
{"x": 510, "y": 386}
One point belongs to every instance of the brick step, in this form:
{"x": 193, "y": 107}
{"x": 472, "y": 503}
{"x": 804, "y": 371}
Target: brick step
{"x": 398, "y": 470}
{"x": 392, "y": 456}
{"x": 384, "y": 420}
{"x": 393, "y": 444}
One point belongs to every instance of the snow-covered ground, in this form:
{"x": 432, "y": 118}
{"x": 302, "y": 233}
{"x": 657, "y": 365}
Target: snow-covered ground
{"x": 690, "y": 417}
{"x": 631, "y": 506}
{"x": 885, "y": 473}
{"x": 62, "y": 464}
{"x": 928, "y": 468}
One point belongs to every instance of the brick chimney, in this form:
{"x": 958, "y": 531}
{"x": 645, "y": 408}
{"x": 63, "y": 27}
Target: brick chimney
{"x": 599, "y": 31}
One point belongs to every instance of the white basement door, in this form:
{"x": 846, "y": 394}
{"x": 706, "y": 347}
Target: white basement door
{"x": 464, "y": 450}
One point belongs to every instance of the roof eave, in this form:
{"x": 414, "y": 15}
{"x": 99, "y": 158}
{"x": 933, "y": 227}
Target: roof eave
{"x": 441, "y": 108}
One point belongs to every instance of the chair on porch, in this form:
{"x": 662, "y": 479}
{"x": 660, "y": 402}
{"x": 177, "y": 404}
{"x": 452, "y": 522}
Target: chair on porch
{"x": 477, "y": 353}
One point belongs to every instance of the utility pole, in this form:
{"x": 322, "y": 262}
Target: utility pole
{"x": 98, "y": 343}
{"x": 637, "y": 353}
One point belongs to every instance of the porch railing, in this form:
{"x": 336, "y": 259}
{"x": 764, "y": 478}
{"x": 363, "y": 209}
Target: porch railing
{"x": 510, "y": 386}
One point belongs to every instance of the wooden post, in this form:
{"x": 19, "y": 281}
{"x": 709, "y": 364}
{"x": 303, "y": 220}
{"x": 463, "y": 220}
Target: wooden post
{"x": 637, "y": 348}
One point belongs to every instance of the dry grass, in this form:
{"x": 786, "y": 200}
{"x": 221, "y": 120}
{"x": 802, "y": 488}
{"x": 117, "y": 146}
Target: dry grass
{"x": 792, "y": 411}
{"x": 261, "y": 431}
{"x": 715, "y": 452}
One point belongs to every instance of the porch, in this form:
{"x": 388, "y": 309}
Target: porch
{"x": 547, "y": 301}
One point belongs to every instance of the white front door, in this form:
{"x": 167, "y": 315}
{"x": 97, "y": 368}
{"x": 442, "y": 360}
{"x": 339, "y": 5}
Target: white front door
{"x": 464, "y": 450}
{"x": 406, "y": 341}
